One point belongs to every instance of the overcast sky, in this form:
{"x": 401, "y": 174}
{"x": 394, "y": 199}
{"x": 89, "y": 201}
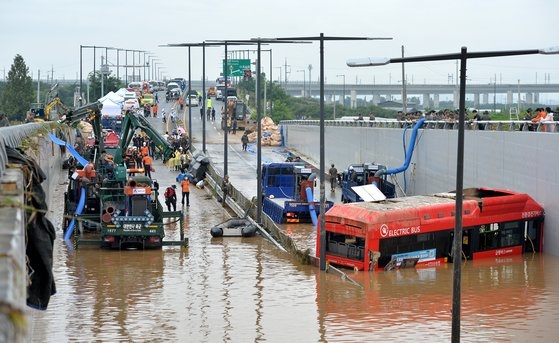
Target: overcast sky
{"x": 48, "y": 35}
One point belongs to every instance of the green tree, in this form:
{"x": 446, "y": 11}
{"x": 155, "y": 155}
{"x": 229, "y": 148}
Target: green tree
{"x": 17, "y": 94}
{"x": 110, "y": 83}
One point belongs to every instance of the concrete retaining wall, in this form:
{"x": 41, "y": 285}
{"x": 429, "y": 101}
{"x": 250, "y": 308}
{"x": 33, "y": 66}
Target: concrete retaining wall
{"x": 521, "y": 161}
{"x": 13, "y": 270}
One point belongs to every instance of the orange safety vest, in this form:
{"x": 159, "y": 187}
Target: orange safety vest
{"x": 146, "y": 160}
{"x": 185, "y": 184}
{"x": 144, "y": 150}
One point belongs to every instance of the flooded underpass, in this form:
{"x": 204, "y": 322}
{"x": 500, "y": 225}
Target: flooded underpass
{"x": 247, "y": 290}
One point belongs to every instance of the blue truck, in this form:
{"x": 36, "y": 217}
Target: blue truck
{"x": 364, "y": 174}
{"x": 288, "y": 192}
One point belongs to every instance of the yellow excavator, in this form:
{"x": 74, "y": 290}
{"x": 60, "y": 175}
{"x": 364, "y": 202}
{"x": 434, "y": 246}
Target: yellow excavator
{"x": 40, "y": 112}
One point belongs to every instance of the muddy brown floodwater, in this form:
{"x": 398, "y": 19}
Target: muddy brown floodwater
{"x": 246, "y": 290}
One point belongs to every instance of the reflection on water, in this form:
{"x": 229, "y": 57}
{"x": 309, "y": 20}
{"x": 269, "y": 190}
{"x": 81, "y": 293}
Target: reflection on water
{"x": 243, "y": 289}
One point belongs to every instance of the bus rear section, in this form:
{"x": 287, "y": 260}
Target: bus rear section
{"x": 419, "y": 230}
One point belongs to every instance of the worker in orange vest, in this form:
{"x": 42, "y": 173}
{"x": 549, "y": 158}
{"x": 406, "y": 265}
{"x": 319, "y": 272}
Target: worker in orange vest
{"x": 146, "y": 161}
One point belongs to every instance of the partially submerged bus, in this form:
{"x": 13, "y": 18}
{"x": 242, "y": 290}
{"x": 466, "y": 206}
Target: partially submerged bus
{"x": 420, "y": 229}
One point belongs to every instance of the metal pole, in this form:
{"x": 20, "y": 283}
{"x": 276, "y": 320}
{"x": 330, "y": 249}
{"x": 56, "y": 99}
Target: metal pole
{"x": 457, "y": 243}
{"x": 271, "y": 84}
{"x": 81, "y": 76}
{"x": 117, "y": 64}
{"x": 189, "y": 105}
{"x": 322, "y": 165}
{"x": 258, "y": 142}
{"x": 310, "y": 79}
{"x": 344, "y": 89}
{"x": 225, "y": 105}
{"x": 404, "y": 94}
{"x": 205, "y": 93}
{"x": 94, "y": 90}
{"x": 102, "y": 77}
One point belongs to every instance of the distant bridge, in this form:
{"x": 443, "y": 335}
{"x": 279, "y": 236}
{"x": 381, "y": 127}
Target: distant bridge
{"x": 530, "y": 93}
{"x": 429, "y": 93}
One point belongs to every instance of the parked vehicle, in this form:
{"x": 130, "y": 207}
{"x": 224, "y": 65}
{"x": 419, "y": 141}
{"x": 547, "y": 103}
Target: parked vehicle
{"x": 173, "y": 85}
{"x": 147, "y": 99}
{"x": 288, "y": 191}
{"x": 193, "y": 100}
{"x": 211, "y": 92}
{"x": 357, "y": 175}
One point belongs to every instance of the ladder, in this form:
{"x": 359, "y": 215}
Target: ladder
{"x": 513, "y": 113}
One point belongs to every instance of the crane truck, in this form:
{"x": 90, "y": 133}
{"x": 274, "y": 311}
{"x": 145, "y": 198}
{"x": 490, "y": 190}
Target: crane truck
{"x": 110, "y": 208}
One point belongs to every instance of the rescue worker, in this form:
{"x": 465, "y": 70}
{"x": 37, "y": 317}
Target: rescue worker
{"x": 89, "y": 170}
{"x": 225, "y": 185}
{"x": 171, "y": 197}
{"x": 185, "y": 185}
{"x": 146, "y": 161}
{"x": 244, "y": 140}
{"x": 333, "y": 172}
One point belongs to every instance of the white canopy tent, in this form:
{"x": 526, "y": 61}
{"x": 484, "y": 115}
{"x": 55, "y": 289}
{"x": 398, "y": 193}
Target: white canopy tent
{"x": 114, "y": 97}
{"x": 110, "y": 107}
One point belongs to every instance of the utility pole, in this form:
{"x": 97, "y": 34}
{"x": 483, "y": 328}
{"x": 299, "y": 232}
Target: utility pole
{"x": 285, "y": 70}
{"x": 52, "y": 73}
{"x": 404, "y": 93}
{"x": 310, "y": 80}
{"x": 39, "y": 85}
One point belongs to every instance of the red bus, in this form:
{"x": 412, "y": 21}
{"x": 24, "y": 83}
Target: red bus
{"x": 420, "y": 229}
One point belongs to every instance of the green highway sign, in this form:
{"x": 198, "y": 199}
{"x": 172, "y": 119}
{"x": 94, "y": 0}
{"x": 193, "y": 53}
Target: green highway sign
{"x": 236, "y": 67}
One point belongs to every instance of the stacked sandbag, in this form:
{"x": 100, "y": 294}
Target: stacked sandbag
{"x": 270, "y": 133}
{"x": 85, "y": 128}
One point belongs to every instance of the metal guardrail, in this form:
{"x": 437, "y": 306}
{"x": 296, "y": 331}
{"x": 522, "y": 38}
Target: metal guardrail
{"x": 490, "y": 125}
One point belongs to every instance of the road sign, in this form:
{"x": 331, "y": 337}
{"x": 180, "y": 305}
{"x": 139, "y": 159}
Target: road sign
{"x": 236, "y": 67}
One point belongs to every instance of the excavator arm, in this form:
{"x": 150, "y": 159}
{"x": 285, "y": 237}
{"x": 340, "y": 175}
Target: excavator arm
{"x": 130, "y": 124}
{"x": 90, "y": 113}
{"x": 56, "y": 102}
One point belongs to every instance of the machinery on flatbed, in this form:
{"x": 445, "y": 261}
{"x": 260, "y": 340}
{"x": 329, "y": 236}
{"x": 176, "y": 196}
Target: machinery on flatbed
{"x": 362, "y": 174}
{"x": 112, "y": 205}
{"x": 288, "y": 191}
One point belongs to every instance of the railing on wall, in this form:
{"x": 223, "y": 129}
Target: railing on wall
{"x": 490, "y": 125}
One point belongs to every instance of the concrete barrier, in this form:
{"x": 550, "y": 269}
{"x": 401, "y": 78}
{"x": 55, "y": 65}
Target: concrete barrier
{"x": 14, "y": 325}
{"x": 13, "y": 270}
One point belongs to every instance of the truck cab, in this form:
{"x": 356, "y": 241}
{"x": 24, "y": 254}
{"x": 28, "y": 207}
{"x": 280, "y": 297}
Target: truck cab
{"x": 364, "y": 174}
{"x": 284, "y": 188}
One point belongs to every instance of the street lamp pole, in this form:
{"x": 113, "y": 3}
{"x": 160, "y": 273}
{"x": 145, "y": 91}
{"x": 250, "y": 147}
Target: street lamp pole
{"x": 343, "y": 76}
{"x": 321, "y": 232}
{"x": 457, "y": 240}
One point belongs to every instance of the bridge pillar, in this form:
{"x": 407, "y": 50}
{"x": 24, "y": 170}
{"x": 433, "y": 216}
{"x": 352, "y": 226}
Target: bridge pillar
{"x": 536, "y": 98}
{"x": 476, "y": 100}
{"x": 485, "y": 99}
{"x": 529, "y": 98}
{"x": 509, "y": 98}
{"x": 426, "y": 101}
{"x": 376, "y": 99}
{"x": 353, "y": 99}
{"x": 456, "y": 98}
{"x": 436, "y": 101}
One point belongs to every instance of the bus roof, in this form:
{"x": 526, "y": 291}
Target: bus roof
{"x": 478, "y": 203}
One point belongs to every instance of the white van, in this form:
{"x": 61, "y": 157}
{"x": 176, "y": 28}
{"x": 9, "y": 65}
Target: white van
{"x": 130, "y": 101}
